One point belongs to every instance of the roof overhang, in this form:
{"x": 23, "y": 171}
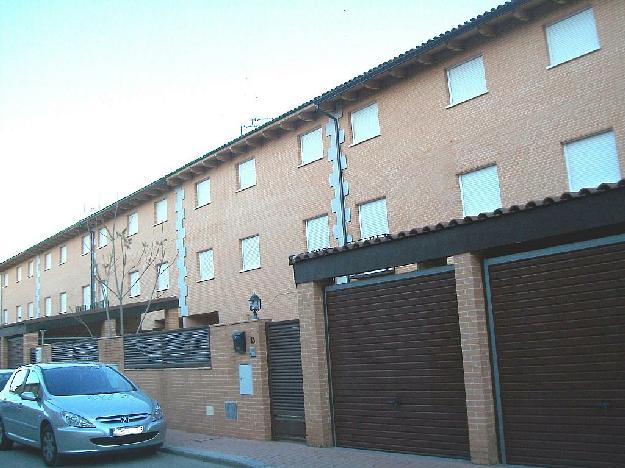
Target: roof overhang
{"x": 93, "y": 316}
{"x": 583, "y": 212}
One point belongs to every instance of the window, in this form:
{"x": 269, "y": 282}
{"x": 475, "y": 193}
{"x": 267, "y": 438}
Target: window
{"x": 466, "y": 81}
{"x": 18, "y": 313}
{"x": 133, "y": 223}
{"x": 31, "y": 310}
{"x": 572, "y": 37}
{"x": 86, "y": 297}
{"x": 48, "y": 306}
{"x": 18, "y": 380}
{"x": 373, "y": 219}
{"x": 160, "y": 211}
{"x": 103, "y": 237}
{"x": 479, "y": 191}
{"x": 62, "y": 255}
{"x": 247, "y": 174}
{"x": 365, "y": 123}
{"x": 311, "y": 146}
{"x": 5, "y": 316}
{"x": 31, "y": 269}
{"x": 63, "y": 302}
{"x": 47, "y": 262}
{"x": 592, "y": 161}
{"x": 203, "y": 193}
{"x": 250, "y": 250}
{"x": 5, "y": 280}
{"x": 317, "y": 233}
{"x": 104, "y": 290}
{"x": 163, "y": 277}
{"x": 18, "y": 274}
{"x": 135, "y": 285}
{"x": 86, "y": 244}
{"x": 207, "y": 268}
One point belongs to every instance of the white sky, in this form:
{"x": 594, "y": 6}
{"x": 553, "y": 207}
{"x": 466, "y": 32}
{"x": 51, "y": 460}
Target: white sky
{"x": 101, "y": 97}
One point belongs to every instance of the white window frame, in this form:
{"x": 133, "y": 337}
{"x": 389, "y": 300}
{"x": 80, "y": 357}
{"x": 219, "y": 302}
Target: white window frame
{"x": 361, "y": 218}
{"x": 63, "y": 302}
{"x": 103, "y": 237}
{"x": 462, "y": 178}
{"x": 47, "y": 305}
{"x": 371, "y": 133}
{"x": 452, "y": 78}
{"x": 86, "y": 244}
{"x": 554, "y": 61}
{"x": 162, "y": 280}
{"x": 62, "y": 254}
{"x": 133, "y": 223}
{"x": 203, "y": 198}
{"x": 18, "y": 274}
{"x": 160, "y": 211}
{"x": 247, "y": 243}
{"x": 241, "y": 168}
{"x": 135, "y": 284}
{"x": 207, "y": 273}
{"x": 47, "y": 261}
{"x": 614, "y": 163}
{"x": 325, "y": 222}
{"x": 31, "y": 269}
{"x": 309, "y": 145}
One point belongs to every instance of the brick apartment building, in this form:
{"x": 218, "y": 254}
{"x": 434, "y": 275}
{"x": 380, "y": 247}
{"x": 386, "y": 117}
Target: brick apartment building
{"x": 521, "y": 103}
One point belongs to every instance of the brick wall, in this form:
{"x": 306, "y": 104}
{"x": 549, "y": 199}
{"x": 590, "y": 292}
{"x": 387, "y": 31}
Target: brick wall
{"x": 185, "y": 393}
{"x": 4, "y": 353}
{"x": 31, "y": 340}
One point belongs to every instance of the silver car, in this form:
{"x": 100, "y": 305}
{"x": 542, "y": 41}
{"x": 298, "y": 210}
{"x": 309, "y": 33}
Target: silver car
{"x": 77, "y": 409}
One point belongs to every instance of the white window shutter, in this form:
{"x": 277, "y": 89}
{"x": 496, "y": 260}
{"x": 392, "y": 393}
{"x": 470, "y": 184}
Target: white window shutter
{"x": 247, "y": 174}
{"x": 311, "y": 146}
{"x": 207, "y": 268}
{"x": 86, "y": 244}
{"x": 31, "y": 310}
{"x": 373, "y": 219}
{"x": 63, "y": 254}
{"x": 250, "y": 248}
{"x": 317, "y": 233}
{"x": 133, "y": 223}
{"x": 203, "y": 192}
{"x": 135, "y": 284}
{"x": 572, "y": 37}
{"x": 63, "y": 302}
{"x": 86, "y": 296}
{"x": 592, "y": 161}
{"x": 48, "y": 306}
{"x": 163, "y": 276}
{"x": 480, "y": 191}
{"x": 103, "y": 237}
{"x": 365, "y": 123}
{"x": 466, "y": 80}
{"x": 161, "y": 211}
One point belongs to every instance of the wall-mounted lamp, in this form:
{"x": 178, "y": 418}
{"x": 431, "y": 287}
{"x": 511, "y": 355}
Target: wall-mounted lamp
{"x": 255, "y": 305}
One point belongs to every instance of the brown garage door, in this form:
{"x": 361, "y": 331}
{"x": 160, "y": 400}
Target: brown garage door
{"x": 396, "y": 366}
{"x": 560, "y": 341}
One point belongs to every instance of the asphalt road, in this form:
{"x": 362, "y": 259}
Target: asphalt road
{"x": 24, "y": 457}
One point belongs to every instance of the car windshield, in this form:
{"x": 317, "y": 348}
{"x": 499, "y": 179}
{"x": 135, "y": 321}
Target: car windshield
{"x": 85, "y": 380}
{"x": 4, "y": 378}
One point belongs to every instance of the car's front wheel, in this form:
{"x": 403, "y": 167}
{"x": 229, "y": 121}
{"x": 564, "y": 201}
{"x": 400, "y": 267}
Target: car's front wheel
{"x": 49, "y": 449}
{"x": 5, "y": 442}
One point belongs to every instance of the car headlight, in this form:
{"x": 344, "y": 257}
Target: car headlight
{"x": 74, "y": 420}
{"x": 157, "y": 412}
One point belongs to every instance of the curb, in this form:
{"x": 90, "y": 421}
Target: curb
{"x": 215, "y": 457}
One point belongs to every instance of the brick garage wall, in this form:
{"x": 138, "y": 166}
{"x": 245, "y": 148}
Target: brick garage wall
{"x": 185, "y": 393}
{"x": 4, "y": 352}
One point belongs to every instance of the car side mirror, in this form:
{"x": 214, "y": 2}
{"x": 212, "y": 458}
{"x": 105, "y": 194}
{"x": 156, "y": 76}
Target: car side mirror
{"x": 30, "y": 396}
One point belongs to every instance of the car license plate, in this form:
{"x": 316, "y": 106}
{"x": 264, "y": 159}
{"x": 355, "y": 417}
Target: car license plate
{"x": 122, "y": 431}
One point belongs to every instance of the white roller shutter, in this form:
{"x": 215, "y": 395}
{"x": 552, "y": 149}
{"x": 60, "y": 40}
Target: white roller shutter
{"x": 572, "y": 37}
{"x": 250, "y": 249}
{"x": 466, "y": 80}
{"x": 592, "y": 161}
{"x": 480, "y": 191}
{"x": 373, "y": 219}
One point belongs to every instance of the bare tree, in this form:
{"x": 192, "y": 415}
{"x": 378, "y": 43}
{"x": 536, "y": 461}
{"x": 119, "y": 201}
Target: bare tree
{"x": 113, "y": 270}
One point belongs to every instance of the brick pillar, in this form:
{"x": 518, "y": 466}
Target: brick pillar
{"x": 111, "y": 351}
{"x": 172, "y": 319}
{"x": 262, "y": 420}
{"x": 109, "y": 328}
{"x": 31, "y": 340}
{"x": 4, "y": 352}
{"x": 476, "y": 359}
{"x": 46, "y": 353}
{"x": 314, "y": 364}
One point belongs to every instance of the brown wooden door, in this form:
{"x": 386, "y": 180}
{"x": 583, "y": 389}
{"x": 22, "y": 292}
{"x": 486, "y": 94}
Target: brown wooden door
{"x": 560, "y": 341}
{"x": 396, "y": 366}
{"x": 285, "y": 380}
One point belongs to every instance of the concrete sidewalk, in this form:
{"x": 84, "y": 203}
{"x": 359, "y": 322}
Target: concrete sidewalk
{"x": 252, "y": 453}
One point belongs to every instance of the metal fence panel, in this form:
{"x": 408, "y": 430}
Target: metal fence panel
{"x": 74, "y": 349}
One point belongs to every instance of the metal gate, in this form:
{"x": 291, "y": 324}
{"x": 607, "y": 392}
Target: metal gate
{"x": 15, "y": 351}
{"x": 557, "y": 319}
{"x": 74, "y": 349}
{"x": 285, "y": 380}
{"x": 396, "y": 364}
